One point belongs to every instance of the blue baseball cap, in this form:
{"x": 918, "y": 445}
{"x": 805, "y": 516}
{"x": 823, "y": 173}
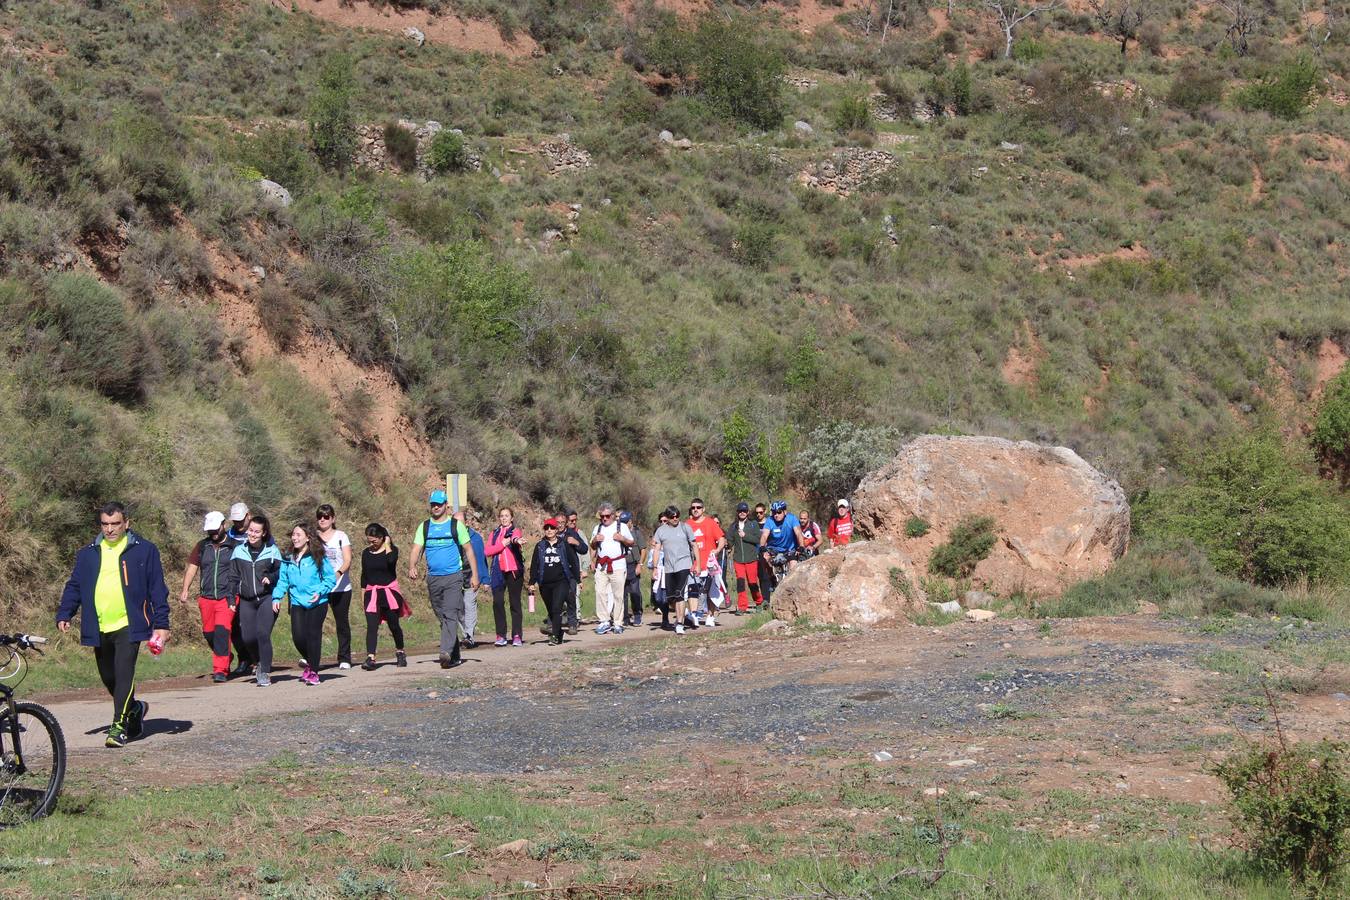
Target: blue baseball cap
{"x": 438, "y": 497}
{"x": 625, "y": 517}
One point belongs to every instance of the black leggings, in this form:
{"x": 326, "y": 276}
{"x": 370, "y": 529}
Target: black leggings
{"x": 555, "y": 601}
{"x": 341, "y": 601}
{"x": 116, "y": 659}
{"x": 255, "y": 620}
{"x": 373, "y": 619}
{"x": 514, "y": 582}
{"x": 307, "y": 631}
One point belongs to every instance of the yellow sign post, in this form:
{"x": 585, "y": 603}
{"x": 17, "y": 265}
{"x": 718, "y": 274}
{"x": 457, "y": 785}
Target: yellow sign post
{"x": 457, "y": 489}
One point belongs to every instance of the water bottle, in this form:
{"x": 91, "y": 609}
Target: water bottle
{"x": 156, "y": 645}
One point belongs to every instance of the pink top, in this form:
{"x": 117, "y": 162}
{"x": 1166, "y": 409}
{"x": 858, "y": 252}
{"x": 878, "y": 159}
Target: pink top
{"x": 497, "y": 544}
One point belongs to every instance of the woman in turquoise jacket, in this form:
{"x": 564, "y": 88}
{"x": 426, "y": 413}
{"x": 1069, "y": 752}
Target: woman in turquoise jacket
{"x": 306, "y": 579}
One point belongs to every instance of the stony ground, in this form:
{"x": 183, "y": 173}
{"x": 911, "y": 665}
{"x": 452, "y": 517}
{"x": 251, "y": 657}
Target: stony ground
{"x": 1132, "y": 704}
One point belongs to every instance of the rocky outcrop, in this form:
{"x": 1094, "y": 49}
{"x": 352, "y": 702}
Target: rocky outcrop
{"x": 1058, "y": 519}
{"x": 371, "y": 152}
{"x": 848, "y": 170}
{"x": 867, "y": 583}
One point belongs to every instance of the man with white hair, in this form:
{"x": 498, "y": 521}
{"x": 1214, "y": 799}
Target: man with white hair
{"x": 610, "y": 540}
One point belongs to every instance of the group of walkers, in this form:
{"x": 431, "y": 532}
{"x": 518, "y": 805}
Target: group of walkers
{"x": 242, "y": 575}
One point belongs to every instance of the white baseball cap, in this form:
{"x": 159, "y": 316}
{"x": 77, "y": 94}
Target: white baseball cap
{"x": 213, "y": 521}
{"x": 842, "y": 503}
{"x": 238, "y": 512}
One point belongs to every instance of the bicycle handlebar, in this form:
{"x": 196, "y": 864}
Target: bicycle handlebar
{"x": 23, "y": 641}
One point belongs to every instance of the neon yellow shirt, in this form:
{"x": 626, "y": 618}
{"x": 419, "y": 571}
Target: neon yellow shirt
{"x": 110, "y": 602}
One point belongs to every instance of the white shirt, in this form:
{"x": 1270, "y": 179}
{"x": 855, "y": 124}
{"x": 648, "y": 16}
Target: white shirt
{"x": 609, "y": 545}
{"x": 332, "y": 548}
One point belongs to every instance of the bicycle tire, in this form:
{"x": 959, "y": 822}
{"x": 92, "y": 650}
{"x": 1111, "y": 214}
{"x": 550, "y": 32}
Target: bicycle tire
{"x": 31, "y": 779}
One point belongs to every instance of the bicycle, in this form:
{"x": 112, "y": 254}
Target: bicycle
{"x": 32, "y": 746}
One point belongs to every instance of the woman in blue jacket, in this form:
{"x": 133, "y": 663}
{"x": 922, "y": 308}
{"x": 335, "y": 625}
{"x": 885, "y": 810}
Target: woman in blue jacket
{"x": 306, "y": 579}
{"x": 257, "y": 569}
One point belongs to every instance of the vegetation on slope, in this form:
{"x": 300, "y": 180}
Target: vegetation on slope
{"x": 1080, "y": 247}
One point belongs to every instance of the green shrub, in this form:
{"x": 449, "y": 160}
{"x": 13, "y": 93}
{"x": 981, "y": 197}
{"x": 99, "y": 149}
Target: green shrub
{"x": 401, "y": 145}
{"x": 968, "y": 544}
{"x": 1257, "y": 512}
{"x": 1331, "y": 430}
{"x": 106, "y": 348}
{"x": 1286, "y": 91}
{"x": 739, "y": 445}
{"x": 448, "y": 153}
{"x": 755, "y": 244}
{"x": 1028, "y": 49}
{"x": 739, "y": 74}
{"x": 916, "y": 527}
{"x": 332, "y": 124}
{"x": 148, "y": 154}
{"x": 853, "y": 114}
{"x": 837, "y": 455}
{"x": 277, "y": 153}
{"x": 1069, "y": 100}
{"x": 1179, "y": 579}
{"x": 1195, "y": 88}
{"x": 897, "y": 89}
{"x": 1292, "y": 804}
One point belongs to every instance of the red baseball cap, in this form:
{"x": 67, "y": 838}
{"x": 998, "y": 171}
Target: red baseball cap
{"x": 550, "y": 523}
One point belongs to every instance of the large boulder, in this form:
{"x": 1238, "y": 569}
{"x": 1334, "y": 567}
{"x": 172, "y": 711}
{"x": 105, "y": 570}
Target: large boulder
{"x": 1058, "y": 519}
{"x": 852, "y": 586}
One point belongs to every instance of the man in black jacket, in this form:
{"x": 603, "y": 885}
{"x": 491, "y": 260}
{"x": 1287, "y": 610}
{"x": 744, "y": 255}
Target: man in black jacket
{"x": 118, "y": 589}
{"x": 576, "y": 548}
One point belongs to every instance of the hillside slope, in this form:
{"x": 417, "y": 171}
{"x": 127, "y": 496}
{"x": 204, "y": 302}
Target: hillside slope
{"x": 1065, "y": 246}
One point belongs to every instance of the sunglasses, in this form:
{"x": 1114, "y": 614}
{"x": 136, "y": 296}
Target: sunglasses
{"x": 550, "y": 527}
{"x": 321, "y": 518}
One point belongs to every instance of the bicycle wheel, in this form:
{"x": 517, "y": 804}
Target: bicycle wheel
{"x": 31, "y": 770}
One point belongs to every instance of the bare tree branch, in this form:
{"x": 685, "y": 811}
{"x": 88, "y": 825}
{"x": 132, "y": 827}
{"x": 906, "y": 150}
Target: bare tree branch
{"x": 1011, "y": 13}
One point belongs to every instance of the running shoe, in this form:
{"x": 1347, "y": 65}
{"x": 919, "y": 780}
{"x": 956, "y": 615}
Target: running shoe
{"x": 136, "y": 721}
{"x": 304, "y": 663}
{"x": 469, "y": 642}
{"x": 711, "y": 621}
{"x": 369, "y": 664}
{"x": 117, "y": 737}
{"x": 603, "y": 628}
{"x": 219, "y": 678}
{"x": 310, "y": 677}
{"x": 264, "y": 679}
{"x": 637, "y": 621}
{"x": 679, "y": 629}
{"x": 554, "y": 641}
{"x": 400, "y": 659}
{"x": 501, "y": 641}
{"x": 344, "y": 665}
{"x": 617, "y": 629}
{"x": 517, "y": 642}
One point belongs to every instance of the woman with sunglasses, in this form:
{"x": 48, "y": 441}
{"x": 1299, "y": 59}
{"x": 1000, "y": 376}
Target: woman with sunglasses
{"x": 338, "y": 548}
{"x": 551, "y": 572}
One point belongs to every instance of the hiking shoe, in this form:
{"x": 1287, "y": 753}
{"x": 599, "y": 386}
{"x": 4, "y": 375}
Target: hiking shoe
{"x": 617, "y": 629}
{"x": 400, "y": 659}
{"x": 369, "y": 664}
{"x": 136, "y": 721}
{"x": 502, "y": 642}
{"x": 603, "y": 628}
{"x": 264, "y": 679}
{"x": 554, "y": 641}
{"x": 219, "y": 678}
{"x": 517, "y": 642}
{"x": 679, "y": 629}
{"x": 469, "y": 642}
{"x": 572, "y": 629}
{"x": 117, "y": 737}
{"x": 445, "y": 661}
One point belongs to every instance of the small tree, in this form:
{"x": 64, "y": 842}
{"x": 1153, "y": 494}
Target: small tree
{"x": 739, "y": 74}
{"x": 1246, "y": 17}
{"x": 332, "y": 126}
{"x": 1121, "y": 19}
{"x": 1011, "y": 13}
{"x": 1331, "y": 431}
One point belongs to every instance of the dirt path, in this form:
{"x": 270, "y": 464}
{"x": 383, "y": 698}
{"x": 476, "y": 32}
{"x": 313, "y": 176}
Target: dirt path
{"x": 180, "y": 713}
{"x": 1131, "y": 706}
